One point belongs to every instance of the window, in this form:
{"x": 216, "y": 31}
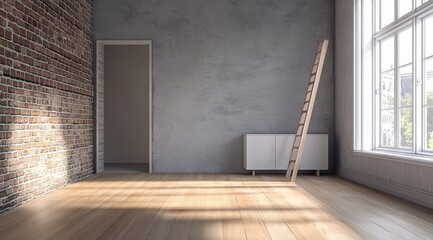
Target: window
{"x": 394, "y": 76}
{"x": 396, "y": 90}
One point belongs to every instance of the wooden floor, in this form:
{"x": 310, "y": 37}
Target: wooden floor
{"x": 215, "y": 206}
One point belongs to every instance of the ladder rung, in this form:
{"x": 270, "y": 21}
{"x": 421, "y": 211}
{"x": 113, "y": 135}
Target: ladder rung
{"x": 306, "y": 105}
{"x": 312, "y": 78}
{"x": 314, "y": 69}
{"x": 308, "y": 96}
{"x": 303, "y": 116}
{"x": 317, "y": 58}
{"x": 300, "y": 128}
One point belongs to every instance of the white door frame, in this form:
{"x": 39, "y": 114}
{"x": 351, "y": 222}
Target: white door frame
{"x": 99, "y": 49}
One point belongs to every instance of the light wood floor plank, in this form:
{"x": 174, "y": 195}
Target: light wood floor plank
{"x": 181, "y": 227}
{"x": 254, "y": 225}
{"x": 233, "y": 228}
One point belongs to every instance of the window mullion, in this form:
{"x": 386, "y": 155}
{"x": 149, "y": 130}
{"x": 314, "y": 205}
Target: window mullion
{"x": 396, "y": 5}
{"x": 396, "y": 93}
{"x": 418, "y": 62}
{"x": 378, "y": 102}
{"x": 376, "y": 18}
{"x": 377, "y": 114}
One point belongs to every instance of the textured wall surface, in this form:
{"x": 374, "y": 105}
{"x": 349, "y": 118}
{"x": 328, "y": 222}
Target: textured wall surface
{"x": 408, "y": 180}
{"x": 99, "y": 68}
{"x": 46, "y": 97}
{"x": 222, "y": 69}
{"x": 126, "y": 109}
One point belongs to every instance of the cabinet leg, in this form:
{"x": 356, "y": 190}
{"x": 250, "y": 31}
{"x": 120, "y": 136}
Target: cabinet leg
{"x": 318, "y": 173}
{"x": 253, "y": 172}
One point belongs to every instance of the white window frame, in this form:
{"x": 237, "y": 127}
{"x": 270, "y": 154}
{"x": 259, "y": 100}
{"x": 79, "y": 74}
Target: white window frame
{"x": 365, "y": 74}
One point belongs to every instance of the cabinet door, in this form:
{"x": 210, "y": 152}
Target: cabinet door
{"x": 314, "y": 156}
{"x": 260, "y": 152}
{"x": 283, "y": 149}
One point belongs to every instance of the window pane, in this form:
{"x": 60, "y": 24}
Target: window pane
{"x": 428, "y": 86}
{"x": 386, "y": 12}
{"x": 387, "y": 93}
{"x": 387, "y": 54}
{"x": 387, "y": 131}
{"x": 429, "y": 126}
{"x": 404, "y": 6}
{"x": 406, "y": 85}
{"x": 405, "y": 47}
{"x": 406, "y": 127}
{"x": 428, "y": 34}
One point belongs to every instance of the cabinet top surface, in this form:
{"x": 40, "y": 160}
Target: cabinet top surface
{"x": 270, "y": 134}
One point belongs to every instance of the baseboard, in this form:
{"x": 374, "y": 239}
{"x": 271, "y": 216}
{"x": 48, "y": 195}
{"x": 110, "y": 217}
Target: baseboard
{"x": 398, "y": 190}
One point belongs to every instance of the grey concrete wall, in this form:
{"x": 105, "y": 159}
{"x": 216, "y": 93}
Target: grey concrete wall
{"x": 126, "y": 101}
{"x": 100, "y": 108}
{"x": 408, "y": 180}
{"x": 225, "y": 68}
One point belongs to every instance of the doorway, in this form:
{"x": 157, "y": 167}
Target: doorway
{"x": 123, "y": 106}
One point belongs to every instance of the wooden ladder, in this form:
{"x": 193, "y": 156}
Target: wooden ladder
{"x": 307, "y": 110}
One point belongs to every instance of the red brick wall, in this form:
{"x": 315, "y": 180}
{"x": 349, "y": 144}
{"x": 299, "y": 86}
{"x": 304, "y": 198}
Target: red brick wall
{"x": 46, "y": 96}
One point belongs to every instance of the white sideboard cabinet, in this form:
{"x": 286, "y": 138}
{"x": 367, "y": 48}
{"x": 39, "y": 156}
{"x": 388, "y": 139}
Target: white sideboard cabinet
{"x": 272, "y": 152}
